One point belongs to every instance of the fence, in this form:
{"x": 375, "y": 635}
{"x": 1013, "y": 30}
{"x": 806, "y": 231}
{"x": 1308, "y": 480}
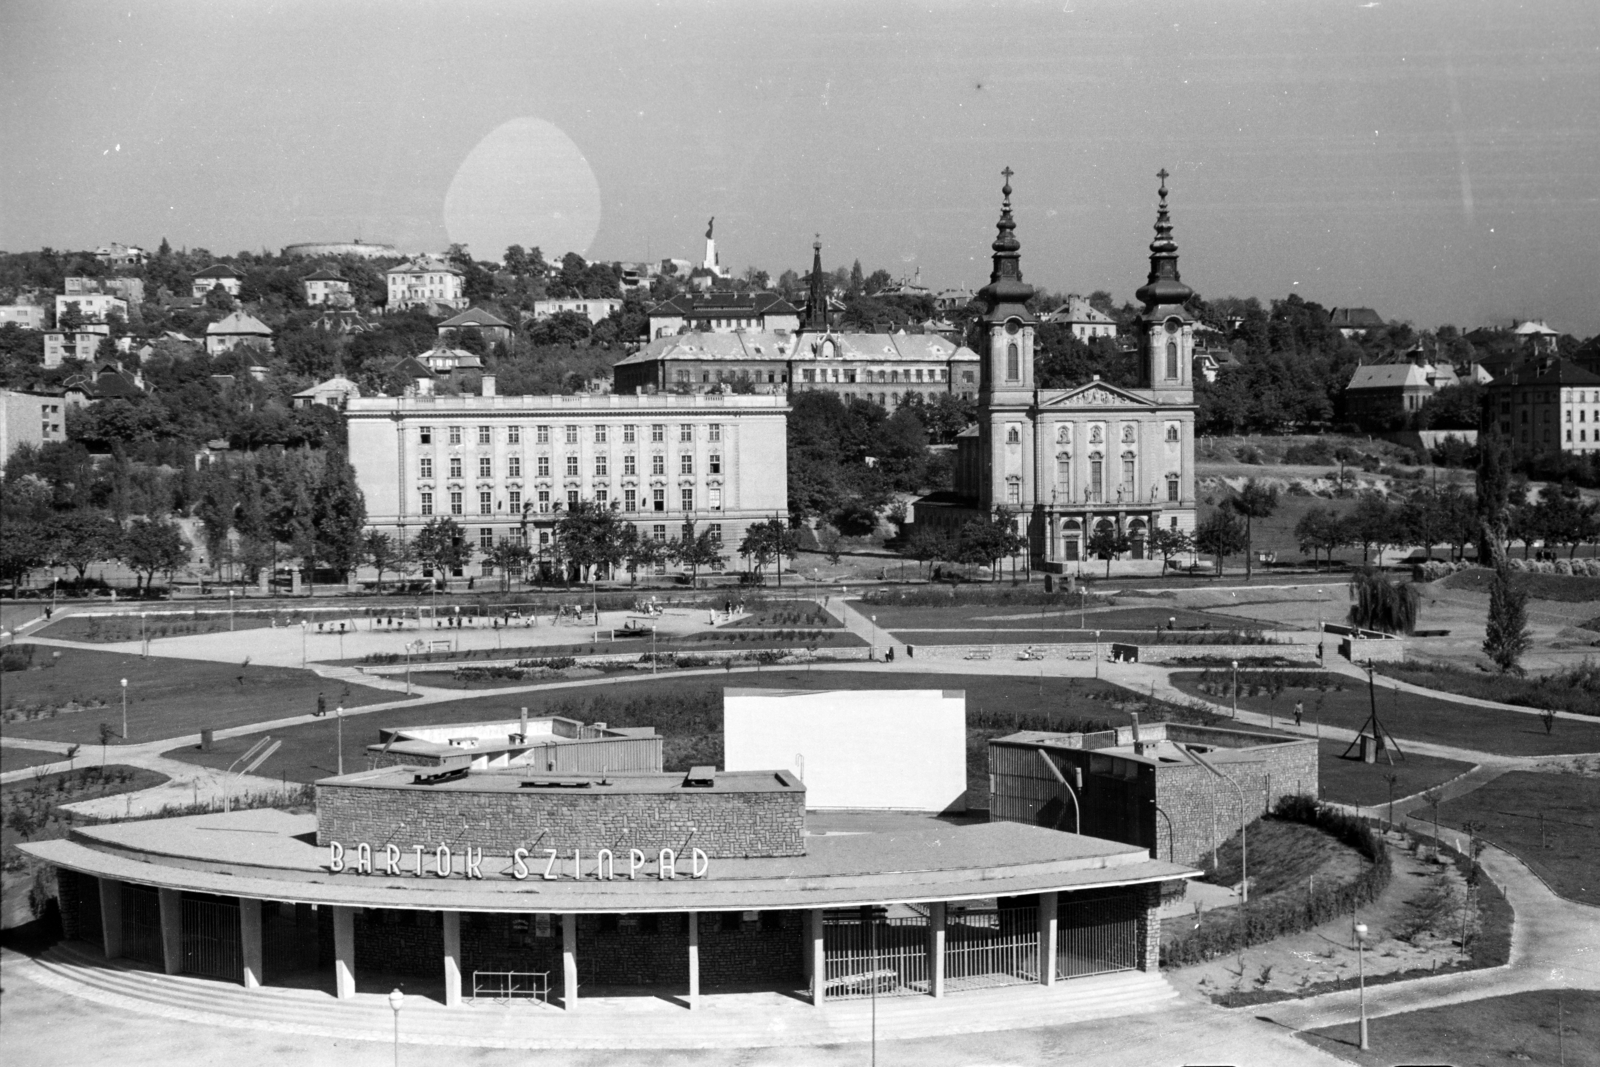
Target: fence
{"x": 1097, "y": 935}
{"x": 211, "y": 938}
{"x": 995, "y": 947}
{"x": 883, "y": 956}
{"x": 141, "y": 924}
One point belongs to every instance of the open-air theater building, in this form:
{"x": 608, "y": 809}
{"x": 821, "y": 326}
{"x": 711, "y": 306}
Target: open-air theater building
{"x": 469, "y": 882}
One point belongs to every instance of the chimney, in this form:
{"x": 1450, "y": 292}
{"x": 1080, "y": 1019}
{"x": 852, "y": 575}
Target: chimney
{"x": 524, "y": 724}
{"x": 1138, "y": 746}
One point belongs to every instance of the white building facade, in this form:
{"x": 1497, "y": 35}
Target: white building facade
{"x": 508, "y": 466}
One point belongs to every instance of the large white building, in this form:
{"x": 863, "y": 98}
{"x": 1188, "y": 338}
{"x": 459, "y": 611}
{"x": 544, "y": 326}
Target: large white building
{"x": 28, "y": 419}
{"x": 507, "y": 466}
{"x": 425, "y": 281}
{"x": 1068, "y": 462}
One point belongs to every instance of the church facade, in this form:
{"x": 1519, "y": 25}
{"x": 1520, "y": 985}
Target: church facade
{"x": 1068, "y": 463}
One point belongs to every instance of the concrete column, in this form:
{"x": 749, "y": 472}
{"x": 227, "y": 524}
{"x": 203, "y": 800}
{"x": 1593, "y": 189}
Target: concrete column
{"x": 111, "y": 916}
{"x": 936, "y": 927}
{"x": 694, "y": 959}
{"x": 1047, "y": 938}
{"x": 819, "y": 965}
{"x": 250, "y": 942}
{"x": 450, "y": 924}
{"x": 171, "y": 930}
{"x": 569, "y": 961}
{"x": 344, "y": 952}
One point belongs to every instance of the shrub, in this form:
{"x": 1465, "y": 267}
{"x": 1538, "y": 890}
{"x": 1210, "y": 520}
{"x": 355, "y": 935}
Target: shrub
{"x": 16, "y": 658}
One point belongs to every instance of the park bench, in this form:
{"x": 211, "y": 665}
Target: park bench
{"x": 884, "y": 980}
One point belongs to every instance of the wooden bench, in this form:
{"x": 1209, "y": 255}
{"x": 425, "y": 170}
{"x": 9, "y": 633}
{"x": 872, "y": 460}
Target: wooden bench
{"x": 883, "y": 980}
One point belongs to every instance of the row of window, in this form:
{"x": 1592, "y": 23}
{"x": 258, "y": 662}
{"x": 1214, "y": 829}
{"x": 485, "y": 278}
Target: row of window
{"x": 542, "y": 503}
{"x": 541, "y": 433}
{"x": 836, "y": 374}
{"x": 602, "y": 466}
{"x": 1095, "y": 489}
{"x": 1064, "y": 433}
{"x": 657, "y": 532}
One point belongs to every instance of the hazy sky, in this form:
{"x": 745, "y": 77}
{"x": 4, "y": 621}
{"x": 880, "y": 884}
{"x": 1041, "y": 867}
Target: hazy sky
{"x": 1437, "y": 161}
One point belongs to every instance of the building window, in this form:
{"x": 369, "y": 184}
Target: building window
{"x": 630, "y": 465}
{"x": 1013, "y": 491}
{"x": 514, "y": 498}
{"x": 572, "y": 466}
{"x": 714, "y": 463}
{"x": 455, "y": 466}
{"x": 600, "y": 433}
{"x": 485, "y": 467}
{"x": 715, "y": 530}
{"x": 425, "y": 467}
{"x": 485, "y": 503}
{"x": 686, "y": 463}
{"x": 572, "y": 434}
{"x": 1172, "y": 487}
{"x": 601, "y": 467}
{"x": 455, "y": 435}
{"x": 1097, "y": 469}
{"x": 427, "y": 503}
{"x": 542, "y": 434}
{"x": 1172, "y": 359}
{"x": 1127, "y": 474}
{"x": 484, "y": 435}
{"x": 1013, "y": 363}
{"x": 658, "y": 464}
{"x": 486, "y": 537}
{"x": 513, "y": 435}
{"x": 714, "y": 432}
{"x": 628, "y": 433}
{"x": 630, "y": 500}
{"x": 426, "y": 434}
{"x": 688, "y": 498}
{"x": 572, "y": 499}
{"x": 658, "y": 531}
{"x": 1172, "y": 432}
{"x": 1013, "y": 435}
{"x": 514, "y": 466}
{"x": 544, "y": 505}
{"x": 685, "y": 431}
{"x": 455, "y": 502}
{"x": 658, "y": 432}
{"x": 714, "y": 498}
{"x": 601, "y": 496}
{"x": 543, "y": 466}
{"x": 658, "y": 500}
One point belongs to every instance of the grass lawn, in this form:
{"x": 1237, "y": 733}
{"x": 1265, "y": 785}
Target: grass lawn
{"x": 33, "y": 803}
{"x": 166, "y": 697}
{"x": 687, "y": 711}
{"x": 1064, "y": 616}
{"x": 1508, "y": 809}
{"x": 165, "y": 624}
{"x": 1577, "y": 690}
{"x": 1418, "y": 718}
{"x": 15, "y": 759}
{"x": 1283, "y": 855}
{"x": 1572, "y": 589}
{"x": 1520, "y": 1027}
{"x": 1349, "y": 781}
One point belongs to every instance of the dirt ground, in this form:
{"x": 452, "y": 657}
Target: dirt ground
{"x": 1327, "y": 952}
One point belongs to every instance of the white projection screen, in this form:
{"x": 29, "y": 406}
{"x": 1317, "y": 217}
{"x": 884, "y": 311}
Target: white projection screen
{"x": 877, "y": 749}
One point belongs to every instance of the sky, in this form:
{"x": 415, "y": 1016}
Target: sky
{"x": 1437, "y": 161}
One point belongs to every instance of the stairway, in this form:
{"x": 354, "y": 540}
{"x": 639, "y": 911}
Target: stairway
{"x": 722, "y": 1021}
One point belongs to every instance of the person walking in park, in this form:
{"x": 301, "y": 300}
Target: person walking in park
{"x": 1299, "y": 711}
{"x": 322, "y": 705}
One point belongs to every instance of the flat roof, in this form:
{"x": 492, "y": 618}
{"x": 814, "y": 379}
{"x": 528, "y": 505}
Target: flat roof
{"x": 850, "y": 860}
{"x": 522, "y": 779}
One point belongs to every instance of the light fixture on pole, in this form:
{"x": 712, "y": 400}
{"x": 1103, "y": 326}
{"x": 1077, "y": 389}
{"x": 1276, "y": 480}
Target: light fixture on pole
{"x": 1097, "y": 653}
{"x": 230, "y": 610}
{"x": 1361, "y": 974}
{"x": 1235, "y": 689}
{"x": 303, "y": 625}
{"x": 873, "y": 654}
{"x": 338, "y": 714}
{"x": 144, "y": 632}
{"x": 124, "y": 709}
{"x": 396, "y": 1000}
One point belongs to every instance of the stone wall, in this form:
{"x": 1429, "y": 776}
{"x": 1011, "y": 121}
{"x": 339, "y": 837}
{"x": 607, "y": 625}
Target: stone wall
{"x": 1150, "y": 927}
{"x": 720, "y": 823}
{"x": 1193, "y": 805}
{"x": 1176, "y": 654}
{"x": 1361, "y": 650}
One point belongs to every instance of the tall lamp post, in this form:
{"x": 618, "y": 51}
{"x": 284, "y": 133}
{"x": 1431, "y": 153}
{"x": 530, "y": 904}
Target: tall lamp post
{"x": 873, "y": 654}
{"x": 1235, "y": 689}
{"x": 396, "y": 1000}
{"x": 1097, "y": 653}
{"x": 1361, "y": 974}
{"x": 124, "y": 709}
{"x": 338, "y": 714}
{"x": 230, "y": 609}
{"x": 303, "y": 625}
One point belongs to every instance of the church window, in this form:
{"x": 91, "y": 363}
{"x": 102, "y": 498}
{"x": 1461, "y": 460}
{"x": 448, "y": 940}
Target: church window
{"x": 1172, "y": 487}
{"x": 1013, "y": 435}
{"x": 1013, "y": 363}
{"x": 1172, "y": 433}
{"x": 1064, "y": 472}
{"x": 1172, "y": 359}
{"x": 1127, "y": 472}
{"x": 1013, "y": 491}
{"x": 1097, "y": 469}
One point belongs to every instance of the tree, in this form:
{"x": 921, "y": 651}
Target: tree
{"x": 25, "y": 546}
{"x": 384, "y": 553}
{"x": 1372, "y": 523}
{"x": 441, "y": 546}
{"x": 1506, "y": 637}
{"x": 1169, "y": 541}
{"x": 767, "y": 542}
{"x": 339, "y": 514}
{"x": 71, "y": 318}
{"x": 83, "y": 537}
{"x": 508, "y": 556}
{"x": 1380, "y": 604}
{"x": 1220, "y": 535}
{"x": 588, "y": 536}
{"x": 1107, "y": 542}
{"x": 153, "y": 546}
{"x": 1494, "y": 501}
{"x": 697, "y": 550}
{"x": 639, "y": 550}
{"x": 1320, "y": 529}
{"x": 1257, "y": 500}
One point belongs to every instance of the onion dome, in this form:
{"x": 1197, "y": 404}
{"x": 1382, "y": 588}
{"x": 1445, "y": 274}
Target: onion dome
{"x": 1163, "y": 286}
{"x": 1006, "y": 292}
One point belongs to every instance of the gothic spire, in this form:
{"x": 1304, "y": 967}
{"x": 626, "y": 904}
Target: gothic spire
{"x": 1163, "y": 286}
{"x": 817, "y": 309}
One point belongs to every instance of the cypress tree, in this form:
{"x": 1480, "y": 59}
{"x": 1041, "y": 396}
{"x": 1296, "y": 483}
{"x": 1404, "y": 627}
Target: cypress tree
{"x": 1506, "y": 637}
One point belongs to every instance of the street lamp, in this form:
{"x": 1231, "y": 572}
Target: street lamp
{"x": 396, "y": 999}
{"x": 873, "y": 653}
{"x": 1235, "y": 689}
{"x": 144, "y": 632}
{"x": 1361, "y": 974}
{"x": 303, "y": 625}
{"x": 1097, "y": 653}
{"x": 230, "y": 610}
{"x": 339, "y": 715}
{"x": 124, "y": 709}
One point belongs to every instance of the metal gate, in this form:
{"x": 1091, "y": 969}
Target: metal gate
{"x": 1097, "y": 935}
{"x": 141, "y": 924}
{"x": 211, "y": 938}
{"x": 991, "y": 948}
{"x": 875, "y": 955}
{"x": 284, "y": 942}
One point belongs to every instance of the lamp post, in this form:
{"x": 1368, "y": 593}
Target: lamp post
{"x": 230, "y": 610}
{"x": 873, "y": 654}
{"x": 1235, "y": 689}
{"x": 144, "y": 632}
{"x": 1361, "y": 975}
{"x": 303, "y": 625}
{"x": 1097, "y": 653}
{"x": 338, "y": 714}
{"x": 124, "y": 709}
{"x": 396, "y": 1000}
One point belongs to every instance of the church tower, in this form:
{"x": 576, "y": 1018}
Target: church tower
{"x": 1165, "y": 328}
{"x": 817, "y": 306}
{"x": 1004, "y": 340}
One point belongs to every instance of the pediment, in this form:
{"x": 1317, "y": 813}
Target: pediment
{"x": 1096, "y": 395}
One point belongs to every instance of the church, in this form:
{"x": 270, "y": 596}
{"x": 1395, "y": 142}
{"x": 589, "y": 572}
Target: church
{"x": 1066, "y": 463}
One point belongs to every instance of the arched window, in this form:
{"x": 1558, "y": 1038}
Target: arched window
{"x": 1013, "y": 363}
{"x": 894, "y": 376}
{"x": 1172, "y": 359}
{"x": 1013, "y": 435}
{"x": 1172, "y": 432}
{"x": 1064, "y": 473}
